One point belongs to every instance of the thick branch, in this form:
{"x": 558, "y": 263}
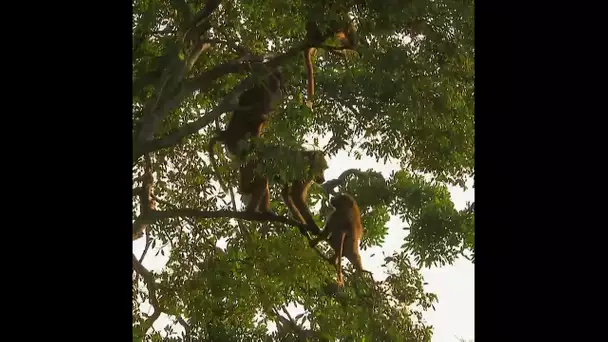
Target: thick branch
{"x": 202, "y": 83}
{"x": 184, "y": 9}
{"x": 229, "y": 102}
{"x": 170, "y": 84}
{"x": 206, "y": 11}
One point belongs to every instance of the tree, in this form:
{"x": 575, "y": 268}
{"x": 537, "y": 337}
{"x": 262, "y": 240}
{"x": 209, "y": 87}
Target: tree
{"x": 408, "y": 98}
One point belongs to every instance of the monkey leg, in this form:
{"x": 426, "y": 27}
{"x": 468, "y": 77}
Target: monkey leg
{"x": 310, "y": 75}
{"x": 295, "y": 213}
{"x": 339, "y": 260}
{"x": 299, "y": 193}
{"x": 258, "y": 195}
{"x": 265, "y": 205}
{"x": 355, "y": 259}
{"x": 289, "y": 203}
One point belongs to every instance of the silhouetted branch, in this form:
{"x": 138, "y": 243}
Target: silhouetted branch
{"x": 148, "y": 243}
{"x": 148, "y": 279}
{"x": 192, "y": 223}
{"x": 186, "y": 326}
{"x": 155, "y": 215}
{"x": 249, "y": 216}
{"x": 330, "y": 185}
{"x": 284, "y": 325}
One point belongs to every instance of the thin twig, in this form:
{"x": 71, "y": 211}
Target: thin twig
{"x": 148, "y": 243}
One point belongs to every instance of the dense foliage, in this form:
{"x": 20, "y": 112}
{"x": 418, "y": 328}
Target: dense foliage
{"x": 408, "y": 98}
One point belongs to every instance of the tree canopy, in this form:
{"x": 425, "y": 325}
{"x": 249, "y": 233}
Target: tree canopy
{"x": 408, "y": 98}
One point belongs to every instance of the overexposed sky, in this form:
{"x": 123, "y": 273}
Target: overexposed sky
{"x": 454, "y": 284}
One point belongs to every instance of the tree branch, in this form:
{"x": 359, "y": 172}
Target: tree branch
{"x": 330, "y": 185}
{"x": 184, "y": 9}
{"x": 171, "y": 81}
{"x": 148, "y": 279}
{"x": 282, "y": 324}
{"x": 150, "y": 283}
{"x": 186, "y": 326}
{"x": 249, "y": 216}
{"x": 192, "y": 223}
{"x": 148, "y": 243}
{"x": 202, "y": 83}
{"x": 229, "y": 102}
{"x": 206, "y": 11}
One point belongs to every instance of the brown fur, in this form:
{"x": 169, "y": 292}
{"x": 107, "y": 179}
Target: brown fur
{"x": 343, "y": 231}
{"x": 247, "y": 121}
{"x": 147, "y": 203}
{"x": 345, "y": 33}
{"x": 294, "y": 193}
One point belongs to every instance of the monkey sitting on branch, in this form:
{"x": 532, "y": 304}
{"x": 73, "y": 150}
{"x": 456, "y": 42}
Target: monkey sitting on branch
{"x": 248, "y": 120}
{"x": 343, "y": 231}
{"x": 255, "y": 175}
{"x": 343, "y": 31}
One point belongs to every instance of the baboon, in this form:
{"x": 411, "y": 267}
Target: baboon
{"x": 248, "y": 120}
{"x": 343, "y": 231}
{"x": 146, "y": 198}
{"x": 345, "y": 32}
{"x": 256, "y": 194}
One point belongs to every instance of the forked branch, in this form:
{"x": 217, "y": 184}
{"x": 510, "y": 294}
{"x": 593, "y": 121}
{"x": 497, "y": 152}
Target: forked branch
{"x": 148, "y": 279}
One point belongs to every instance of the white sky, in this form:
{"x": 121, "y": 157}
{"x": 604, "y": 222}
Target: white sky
{"x": 454, "y": 284}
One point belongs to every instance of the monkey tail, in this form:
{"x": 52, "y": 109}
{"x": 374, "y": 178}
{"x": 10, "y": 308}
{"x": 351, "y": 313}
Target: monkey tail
{"x": 212, "y": 143}
{"x": 339, "y": 262}
{"x": 311, "y": 75}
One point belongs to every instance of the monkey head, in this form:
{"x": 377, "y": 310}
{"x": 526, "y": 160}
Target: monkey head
{"x": 276, "y": 79}
{"x": 342, "y": 201}
{"x": 318, "y": 165}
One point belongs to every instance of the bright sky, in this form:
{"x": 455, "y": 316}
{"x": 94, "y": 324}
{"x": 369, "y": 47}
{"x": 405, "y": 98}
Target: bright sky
{"x": 454, "y": 284}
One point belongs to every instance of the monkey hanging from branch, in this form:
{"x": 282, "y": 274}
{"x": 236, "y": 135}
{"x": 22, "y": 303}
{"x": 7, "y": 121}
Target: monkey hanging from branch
{"x": 146, "y": 199}
{"x": 346, "y": 34}
{"x": 254, "y": 108}
{"x": 253, "y": 185}
{"x": 343, "y": 231}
